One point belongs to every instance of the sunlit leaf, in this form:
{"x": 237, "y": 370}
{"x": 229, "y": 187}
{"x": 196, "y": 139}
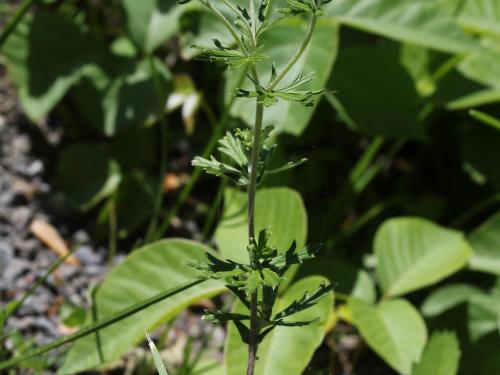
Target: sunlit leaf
{"x": 413, "y": 253}
{"x": 145, "y": 273}
{"x": 441, "y": 355}
{"x": 393, "y": 329}
{"x": 423, "y": 23}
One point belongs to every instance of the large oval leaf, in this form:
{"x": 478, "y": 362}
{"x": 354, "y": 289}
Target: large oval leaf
{"x": 151, "y": 22}
{"x": 481, "y": 308}
{"x": 393, "y": 329}
{"x": 282, "y": 42}
{"x": 47, "y": 54}
{"x": 423, "y": 23}
{"x": 485, "y": 241}
{"x": 441, "y": 355}
{"x": 145, "y": 273}
{"x": 280, "y": 210}
{"x": 286, "y": 350}
{"x": 413, "y": 253}
{"x": 87, "y": 175}
{"x": 359, "y": 74}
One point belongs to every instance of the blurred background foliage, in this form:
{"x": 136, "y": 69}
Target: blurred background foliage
{"x": 411, "y": 130}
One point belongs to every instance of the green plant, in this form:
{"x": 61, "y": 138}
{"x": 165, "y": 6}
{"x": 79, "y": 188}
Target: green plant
{"x": 246, "y": 156}
{"x": 403, "y": 189}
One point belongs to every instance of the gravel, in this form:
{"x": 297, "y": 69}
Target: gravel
{"x": 27, "y": 154}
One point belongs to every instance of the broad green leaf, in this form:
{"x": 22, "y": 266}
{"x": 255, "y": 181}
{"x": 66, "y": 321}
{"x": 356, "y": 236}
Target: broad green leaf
{"x": 448, "y": 297}
{"x": 145, "y": 273}
{"x": 123, "y": 95}
{"x": 46, "y": 55}
{"x": 286, "y": 350}
{"x": 377, "y": 92}
{"x": 393, "y": 329}
{"x": 151, "y": 23}
{"x": 87, "y": 175}
{"x": 483, "y": 65}
{"x": 481, "y": 309}
{"x": 281, "y": 43}
{"x": 347, "y": 279}
{"x": 485, "y": 241}
{"x": 413, "y": 253}
{"x": 441, "y": 355}
{"x": 480, "y": 16}
{"x": 419, "y": 22}
{"x": 280, "y": 210}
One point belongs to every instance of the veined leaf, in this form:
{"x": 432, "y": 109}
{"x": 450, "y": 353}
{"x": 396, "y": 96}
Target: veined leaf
{"x": 286, "y": 350}
{"x": 485, "y": 241}
{"x": 483, "y": 65}
{"x": 151, "y": 22}
{"x": 424, "y": 23}
{"x": 413, "y": 253}
{"x": 481, "y": 16}
{"x": 481, "y": 308}
{"x": 278, "y": 209}
{"x": 393, "y": 329}
{"x": 123, "y": 96}
{"x": 46, "y": 55}
{"x": 441, "y": 355}
{"x": 144, "y": 273}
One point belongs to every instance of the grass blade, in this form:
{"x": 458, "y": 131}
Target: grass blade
{"x": 160, "y": 366}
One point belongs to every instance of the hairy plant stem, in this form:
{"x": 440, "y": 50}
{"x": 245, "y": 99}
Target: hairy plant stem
{"x": 252, "y": 189}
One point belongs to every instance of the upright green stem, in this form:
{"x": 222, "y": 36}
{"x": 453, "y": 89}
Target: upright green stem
{"x": 253, "y": 341}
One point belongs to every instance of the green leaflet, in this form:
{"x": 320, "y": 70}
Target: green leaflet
{"x": 286, "y": 350}
{"x": 318, "y": 58}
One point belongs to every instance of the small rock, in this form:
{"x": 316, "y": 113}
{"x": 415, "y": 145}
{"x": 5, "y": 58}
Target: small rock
{"x": 6, "y": 252}
{"x": 17, "y": 267}
{"x": 87, "y": 256}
